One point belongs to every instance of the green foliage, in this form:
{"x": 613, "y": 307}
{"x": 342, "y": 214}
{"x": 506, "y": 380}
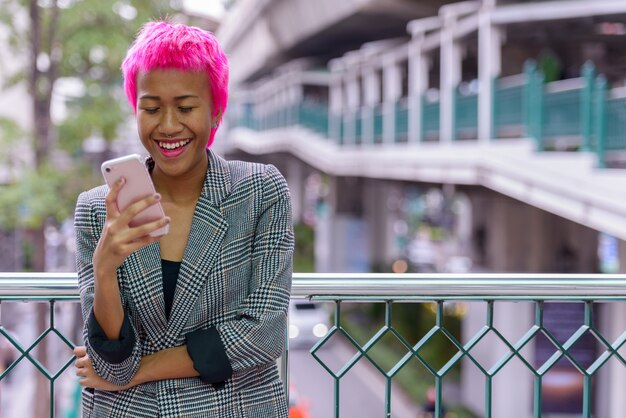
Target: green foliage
{"x": 87, "y": 116}
{"x": 41, "y": 194}
{"x": 304, "y": 257}
{"x": 84, "y": 40}
{"x": 10, "y": 133}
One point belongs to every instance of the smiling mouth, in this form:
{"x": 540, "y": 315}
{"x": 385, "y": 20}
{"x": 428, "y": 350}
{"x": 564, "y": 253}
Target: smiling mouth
{"x": 173, "y": 145}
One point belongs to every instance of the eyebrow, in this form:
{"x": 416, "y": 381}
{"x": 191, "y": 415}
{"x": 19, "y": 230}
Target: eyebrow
{"x": 186, "y": 96}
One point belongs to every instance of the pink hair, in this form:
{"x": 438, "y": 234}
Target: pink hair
{"x": 165, "y": 45}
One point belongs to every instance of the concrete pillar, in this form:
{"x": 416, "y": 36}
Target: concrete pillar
{"x": 262, "y": 108}
{"x": 392, "y": 91}
{"x": 294, "y": 93}
{"x": 418, "y": 84}
{"x": 335, "y": 102}
{"x": 610, "y": 390}
{"x": 450, "y": 75}
{"x": 376, "y": 213}
{"x": 266, "y": 107}
{"x": 280, "y": 99}
{"x": 371, "y": 90}
{"x": 298, "y": 94}
{"x": 341, "y": 234}
{"x": 507, "y": 235}
{"x": 510, "y": 236}
{"x": 284, "y": 104}
{"x": 489, "y": 67}
{"x": 353, "y": 104}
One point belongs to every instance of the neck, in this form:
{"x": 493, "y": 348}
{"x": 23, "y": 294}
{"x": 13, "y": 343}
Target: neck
{"x": 181, "y": 189}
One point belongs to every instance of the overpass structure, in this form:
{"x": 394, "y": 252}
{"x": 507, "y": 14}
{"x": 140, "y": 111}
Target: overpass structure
{"x": 449, "y": 105}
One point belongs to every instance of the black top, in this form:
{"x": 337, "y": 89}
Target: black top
{"x": 170, "y": 277}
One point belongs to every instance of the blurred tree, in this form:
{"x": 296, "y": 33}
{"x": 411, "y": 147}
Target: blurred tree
{"x": 79, "y": 40}
{"x": 82, "y": 41}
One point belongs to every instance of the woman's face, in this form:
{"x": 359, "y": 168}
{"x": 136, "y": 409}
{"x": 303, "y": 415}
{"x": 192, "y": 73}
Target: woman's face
{"x": 174, "y": 119}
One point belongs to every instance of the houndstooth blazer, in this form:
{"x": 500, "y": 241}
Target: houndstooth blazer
{"x": 235, "y": 276}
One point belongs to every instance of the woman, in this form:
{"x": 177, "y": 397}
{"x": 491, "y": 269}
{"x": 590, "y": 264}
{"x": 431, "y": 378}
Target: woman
{"x": 191, "y": 323}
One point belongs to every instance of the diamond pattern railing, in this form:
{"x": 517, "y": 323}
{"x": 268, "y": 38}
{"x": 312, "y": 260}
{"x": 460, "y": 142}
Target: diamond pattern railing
{"x": 342, "y": 289}
{"x": 465, "y": 351}
{"x": 26, "y": 354}
{"x": 420, "y": 289}
{"x": 50, "y": 289}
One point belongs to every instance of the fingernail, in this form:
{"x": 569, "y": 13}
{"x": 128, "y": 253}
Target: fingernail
{"x": 157, "y": 196}
{"x": 167, "y": 220}
{"x": 122, "y": 180}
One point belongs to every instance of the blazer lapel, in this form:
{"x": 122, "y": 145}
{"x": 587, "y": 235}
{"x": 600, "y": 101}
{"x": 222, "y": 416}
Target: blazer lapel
{"x": 145, "y": 284}
{"x": 208, "y": 230}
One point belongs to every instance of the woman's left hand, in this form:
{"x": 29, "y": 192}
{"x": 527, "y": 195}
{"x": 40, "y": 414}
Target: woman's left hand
{"x": 88, "y": 376}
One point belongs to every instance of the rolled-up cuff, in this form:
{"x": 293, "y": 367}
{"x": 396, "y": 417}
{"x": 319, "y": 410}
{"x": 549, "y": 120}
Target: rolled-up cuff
{"x": 208, "y": 354}
{"x": 112, "y": 351}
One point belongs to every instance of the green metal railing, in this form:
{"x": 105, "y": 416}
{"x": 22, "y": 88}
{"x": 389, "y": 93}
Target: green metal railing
{"x": 358, "y": 127}
{"x": 48, "y": 287}
{"x": 336, "y": 128}
{"x": 378, "y": 124}
{"x": 562, "y": 113}
{"x": 430, "y": 119}
{"x": 402, "y": 121}
{"x": 466, "y": 115}
{"x": 313, "y": 116}
{"x": 348, "y": 128}
{"x": 616, "y": 127}
{"x": 389, "y": 289}
{"x": 540, "y": 290}
{"x": 508, "y": 108}
{"x": 567, "y": 110}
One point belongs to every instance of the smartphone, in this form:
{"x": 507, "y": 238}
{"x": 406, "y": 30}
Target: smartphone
{"x": 138, "y": 185}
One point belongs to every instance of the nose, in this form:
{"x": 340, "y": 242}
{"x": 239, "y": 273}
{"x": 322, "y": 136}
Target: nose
{"x": 169, "y": 124}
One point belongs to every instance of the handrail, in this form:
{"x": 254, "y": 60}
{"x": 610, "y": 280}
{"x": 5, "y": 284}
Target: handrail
{"x": 381, "y": 286}
{"x": 569, "y": 84}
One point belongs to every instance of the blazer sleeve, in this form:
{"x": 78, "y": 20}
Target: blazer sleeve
{"x": 257, "y": 336}
{"x": 116, "y": 367}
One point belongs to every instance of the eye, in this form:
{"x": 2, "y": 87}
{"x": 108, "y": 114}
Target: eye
{"x": 150, "y": 110}
{"x": 184, "y": 109}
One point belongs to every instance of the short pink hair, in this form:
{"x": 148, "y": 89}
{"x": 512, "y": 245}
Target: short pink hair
{"x": 166, "y": 45}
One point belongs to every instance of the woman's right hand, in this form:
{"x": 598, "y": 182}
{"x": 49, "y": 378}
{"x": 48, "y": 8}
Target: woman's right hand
{"x": 119, "y": 239}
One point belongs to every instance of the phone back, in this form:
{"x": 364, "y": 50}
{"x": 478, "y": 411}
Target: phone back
{"x": 138, "y": 185}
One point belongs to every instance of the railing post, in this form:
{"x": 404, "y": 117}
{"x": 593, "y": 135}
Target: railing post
{"x": 299, "y": 113}
{"x": 601, "y": 96}
{"x": 455, "y": 113}
{"x": 533, "y": 103}
{"x": 537, "y": 401}
{"x": 530, "y": 68}
{"x": 537, "y": 110}
{"x": 493, "y": 126}
{"x": 422, "y": 108}
{"x": 586, "y": 110}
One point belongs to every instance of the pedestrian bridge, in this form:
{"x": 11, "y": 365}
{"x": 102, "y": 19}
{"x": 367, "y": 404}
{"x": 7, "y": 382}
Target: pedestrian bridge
{"x": 527, "y": 357}
{"x": 550, "y": 148}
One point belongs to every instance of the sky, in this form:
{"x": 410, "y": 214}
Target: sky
{"x": 212, "y": 8}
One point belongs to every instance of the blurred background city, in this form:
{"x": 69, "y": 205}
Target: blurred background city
{"x": 417, "y": 136}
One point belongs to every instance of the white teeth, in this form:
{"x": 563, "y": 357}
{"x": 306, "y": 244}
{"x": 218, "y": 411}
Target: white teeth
{"x": 174, "y": 145}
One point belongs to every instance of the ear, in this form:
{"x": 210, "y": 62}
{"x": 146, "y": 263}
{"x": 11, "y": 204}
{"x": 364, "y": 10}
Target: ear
{"x": 215, "y": 121}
